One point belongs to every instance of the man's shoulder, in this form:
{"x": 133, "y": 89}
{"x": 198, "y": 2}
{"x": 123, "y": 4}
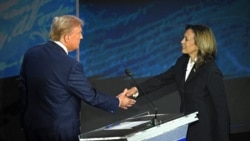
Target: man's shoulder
{"x": 37, "y": 47}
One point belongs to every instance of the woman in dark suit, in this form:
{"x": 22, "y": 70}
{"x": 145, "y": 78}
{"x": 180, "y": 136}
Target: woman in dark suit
{"x": 200, "y": 84}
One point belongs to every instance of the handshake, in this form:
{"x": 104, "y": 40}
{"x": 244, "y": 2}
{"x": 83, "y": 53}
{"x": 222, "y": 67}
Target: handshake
{"x": 125, "y": 98}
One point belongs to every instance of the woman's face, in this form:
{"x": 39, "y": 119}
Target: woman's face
{"x": 188, "y": 44}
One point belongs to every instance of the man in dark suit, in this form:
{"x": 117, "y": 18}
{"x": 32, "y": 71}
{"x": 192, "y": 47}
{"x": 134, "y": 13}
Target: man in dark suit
{"x": 200, "y": 84}
{"x": 52, "y": 85}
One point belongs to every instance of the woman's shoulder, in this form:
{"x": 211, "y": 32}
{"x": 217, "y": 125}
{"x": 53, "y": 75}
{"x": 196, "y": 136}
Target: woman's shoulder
{"x": 212, "y": 67}
{"x": 183, "y": 58}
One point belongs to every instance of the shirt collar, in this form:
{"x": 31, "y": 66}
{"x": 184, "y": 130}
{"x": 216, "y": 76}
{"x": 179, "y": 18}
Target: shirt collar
{"x": 62, "y": 46}
{"x": 192, "y": 62}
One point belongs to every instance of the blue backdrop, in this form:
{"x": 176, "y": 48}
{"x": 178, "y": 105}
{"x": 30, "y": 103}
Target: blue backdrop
{"x": 23, "y": 24}
{"x": 143, "y": 35}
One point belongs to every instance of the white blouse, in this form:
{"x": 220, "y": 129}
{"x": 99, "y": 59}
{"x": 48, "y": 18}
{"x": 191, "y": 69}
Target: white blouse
{"x": 189, "y": 67}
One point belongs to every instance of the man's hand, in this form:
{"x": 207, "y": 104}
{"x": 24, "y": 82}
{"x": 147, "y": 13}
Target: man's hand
{"x": 124, "y": 100}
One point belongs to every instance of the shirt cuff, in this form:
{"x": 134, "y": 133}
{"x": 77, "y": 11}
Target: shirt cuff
{"x": 135, "y": 95}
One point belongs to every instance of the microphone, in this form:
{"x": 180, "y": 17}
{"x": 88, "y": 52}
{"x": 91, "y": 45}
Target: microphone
{"x": 155, "y": 120}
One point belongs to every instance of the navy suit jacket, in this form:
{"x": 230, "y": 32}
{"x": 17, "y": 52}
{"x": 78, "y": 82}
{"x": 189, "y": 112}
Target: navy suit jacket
{"x": 52, "y": 86}
{"x": 203, "y": 91}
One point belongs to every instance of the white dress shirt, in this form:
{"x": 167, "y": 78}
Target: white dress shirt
{"x": 62, "y": 46}
{"x": 189, "y": 67}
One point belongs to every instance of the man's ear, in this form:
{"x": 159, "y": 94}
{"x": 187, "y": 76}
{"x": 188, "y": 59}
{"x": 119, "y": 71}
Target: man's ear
{"x": 66, "y": 38}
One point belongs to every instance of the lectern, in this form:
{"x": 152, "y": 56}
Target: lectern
{"x": 173, "y": 127}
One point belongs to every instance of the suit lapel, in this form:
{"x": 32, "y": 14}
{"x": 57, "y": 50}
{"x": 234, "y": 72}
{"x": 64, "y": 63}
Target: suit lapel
{"x": 184, "y": 70}
{"x": 192, "y": 74}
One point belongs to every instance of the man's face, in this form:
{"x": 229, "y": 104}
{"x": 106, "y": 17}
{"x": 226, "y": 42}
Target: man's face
{"x": 74, "y": 38}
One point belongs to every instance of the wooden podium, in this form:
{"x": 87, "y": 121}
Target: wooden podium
{"x": 173, "y": 127}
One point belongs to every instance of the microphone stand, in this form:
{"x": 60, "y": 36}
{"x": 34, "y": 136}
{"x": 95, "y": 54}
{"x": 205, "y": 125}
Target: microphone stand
{"x": 154, "y": 121}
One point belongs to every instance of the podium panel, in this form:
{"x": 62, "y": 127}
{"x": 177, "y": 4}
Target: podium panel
{"x": 173, "y": 127}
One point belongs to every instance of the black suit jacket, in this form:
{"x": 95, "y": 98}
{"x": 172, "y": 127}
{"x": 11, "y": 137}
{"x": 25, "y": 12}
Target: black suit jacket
{"x": 203, "y": 91}
{"x": 52, "y": 86}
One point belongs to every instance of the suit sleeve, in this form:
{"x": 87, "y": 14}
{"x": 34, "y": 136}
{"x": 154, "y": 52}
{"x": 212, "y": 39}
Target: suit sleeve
{"x": 217, "y": 91}
{"x": 79, "y": 86}
{"x": 158, "y": 81}
{"x": 164, "y": 78}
